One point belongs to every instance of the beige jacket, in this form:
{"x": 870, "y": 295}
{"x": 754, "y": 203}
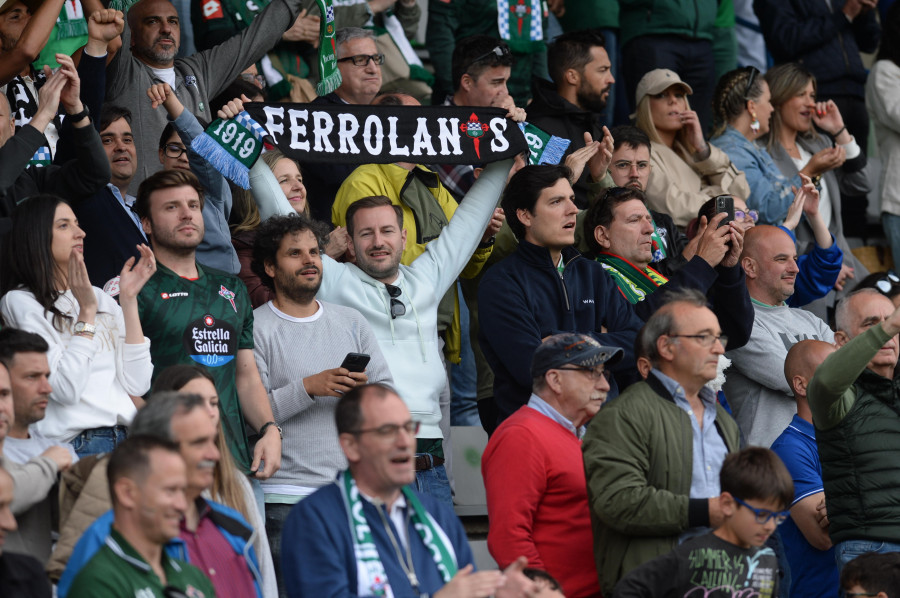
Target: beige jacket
{"x": 679, "y": 185}
{"x": 83, "y": 497}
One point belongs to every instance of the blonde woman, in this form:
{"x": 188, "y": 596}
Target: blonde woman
{"x": 686, "y": 170}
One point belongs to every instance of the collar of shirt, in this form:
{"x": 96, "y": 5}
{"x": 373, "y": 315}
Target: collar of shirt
{"x": 803, "y": 427}
{"x": 397, "y": 515}
{"x": 707, "y": 396}
{"x": 544, "y": 408}
{"x": 127, "y": 203}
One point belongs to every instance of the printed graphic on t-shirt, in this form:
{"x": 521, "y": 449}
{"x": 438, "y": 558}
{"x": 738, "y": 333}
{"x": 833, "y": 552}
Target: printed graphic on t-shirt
{"x": 716, "y": 572}
{"x": 210, "y": 342}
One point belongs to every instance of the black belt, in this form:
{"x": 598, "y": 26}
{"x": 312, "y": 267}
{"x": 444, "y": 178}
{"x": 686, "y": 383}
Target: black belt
{"x": 426, "y": 462}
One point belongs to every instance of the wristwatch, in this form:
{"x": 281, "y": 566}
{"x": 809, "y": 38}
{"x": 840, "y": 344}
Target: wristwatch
{"x": 265, "y": 427}
{"x": 77, "y": 117}
{"x": 84, "y": 328}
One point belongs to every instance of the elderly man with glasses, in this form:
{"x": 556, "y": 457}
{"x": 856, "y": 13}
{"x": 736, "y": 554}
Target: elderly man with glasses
{"x": 652, "y": 457}
{"x": 359, "y": 62}
{"x": 369, "y": 533}
{"x": 533, "y": 473}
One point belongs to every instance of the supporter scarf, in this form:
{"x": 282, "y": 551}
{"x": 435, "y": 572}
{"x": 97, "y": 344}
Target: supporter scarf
{"x": 658, "y": 242}
{"x": 371, "y": 579}
{"x": 543, "y": 148}
{"x": 231, "y": 146}
{"x": 329, "y": 75}
{"x": 350, "y": 134}
{"x": 521, "y": 24}
{"x": 23, "y": 106}
{"x": 71, "y": 21}
{"x": 635, "y": 284}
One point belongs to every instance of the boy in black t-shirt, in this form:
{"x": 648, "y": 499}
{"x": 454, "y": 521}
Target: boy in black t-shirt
{"x": 872, "y": 574}
{"x": 732, "y": 560}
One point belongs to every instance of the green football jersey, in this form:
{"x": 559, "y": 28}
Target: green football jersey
{"x": 203, "y": 321}
{"x": 117, "y": 570}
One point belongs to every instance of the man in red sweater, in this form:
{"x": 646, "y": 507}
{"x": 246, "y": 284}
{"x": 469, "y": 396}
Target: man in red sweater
{"x": 537, "y": 452}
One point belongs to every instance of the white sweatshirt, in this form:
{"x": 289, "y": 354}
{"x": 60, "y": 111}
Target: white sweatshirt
{"x": 92, "y": 378}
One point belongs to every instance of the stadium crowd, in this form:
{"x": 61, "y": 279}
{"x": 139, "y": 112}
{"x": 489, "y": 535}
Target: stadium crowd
{"x": 234, "y": 369}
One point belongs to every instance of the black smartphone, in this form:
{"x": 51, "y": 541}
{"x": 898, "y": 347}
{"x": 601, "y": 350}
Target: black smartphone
{"x": 355, "y": 362}
{"x": 725, "y": 204}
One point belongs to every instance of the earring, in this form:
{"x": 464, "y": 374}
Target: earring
{"x": 754, "y": 124}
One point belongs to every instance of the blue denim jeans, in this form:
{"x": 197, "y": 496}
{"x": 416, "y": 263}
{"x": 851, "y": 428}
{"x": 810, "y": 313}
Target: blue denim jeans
{"x": 99, "y": 440}
{"x": 434, "y": 483}
{"x": 846, "y": 551}
{"x": 276, "y": 515}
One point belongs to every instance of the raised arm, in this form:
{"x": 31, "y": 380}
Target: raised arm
{"x": 32, "y": 40}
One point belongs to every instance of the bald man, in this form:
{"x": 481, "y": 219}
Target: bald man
{"x": 807, "y": 545}
{"x": 762, "y": 399}
{"x": 856, "y": 409}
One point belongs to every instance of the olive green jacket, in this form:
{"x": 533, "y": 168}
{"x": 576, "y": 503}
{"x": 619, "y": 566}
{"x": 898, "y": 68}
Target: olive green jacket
{"x": 638, "y": 455}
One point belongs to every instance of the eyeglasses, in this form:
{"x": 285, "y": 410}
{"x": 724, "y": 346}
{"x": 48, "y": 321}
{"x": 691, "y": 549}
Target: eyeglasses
{"x": 498, "y": 51}
{"x": 173, "y": 150}
{"x": 763, "y": 515}
{"x": 886, "y": 283}
{"x": 741, "y": 215}
{"x": 705, "y": 340}
{"x": 363, "y": 59}
{"x": 596, "y": 373}
{"x": 258, "y": 80}
{"x": 390, "y": 431}
{"x": 753, "y": 74}
{"x": 397, "y": 307}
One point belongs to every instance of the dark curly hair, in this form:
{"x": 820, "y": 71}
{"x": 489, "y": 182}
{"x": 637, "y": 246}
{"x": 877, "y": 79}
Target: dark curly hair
{"x": 524, "y": 189}
{"x": 269, "y": 236}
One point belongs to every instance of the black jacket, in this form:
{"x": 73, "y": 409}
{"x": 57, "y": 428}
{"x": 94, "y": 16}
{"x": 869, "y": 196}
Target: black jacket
{"x": 552, "y": 114}
{"x": 822, "y": 39}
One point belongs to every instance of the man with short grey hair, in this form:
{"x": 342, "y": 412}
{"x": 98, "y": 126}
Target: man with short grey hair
{"x": 359, "y": 62}
{"x": 650, "y": 487}
{"x": 181, "y": 418}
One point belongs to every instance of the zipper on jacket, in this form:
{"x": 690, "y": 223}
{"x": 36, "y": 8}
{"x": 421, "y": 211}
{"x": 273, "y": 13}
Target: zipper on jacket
{"x": 562, "y": 282}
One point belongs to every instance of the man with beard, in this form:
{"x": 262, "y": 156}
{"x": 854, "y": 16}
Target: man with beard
{"x": 150, "y": 42}
{"x": 193, "y": 314}
{"x": 401, "y": 302}
{"x": 287, "y": 257}
{"x": 570, "y": 106}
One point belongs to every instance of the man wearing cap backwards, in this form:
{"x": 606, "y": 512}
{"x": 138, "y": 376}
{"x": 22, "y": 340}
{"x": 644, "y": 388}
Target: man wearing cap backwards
{"x": 652, "y": 457}
{"x": 537, "y": 451}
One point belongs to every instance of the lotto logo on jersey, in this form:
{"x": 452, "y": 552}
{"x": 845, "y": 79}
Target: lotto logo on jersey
{"x": 173, "y": 295}
{"x": 210, "y": 342}
{"x": 212, "y": 9}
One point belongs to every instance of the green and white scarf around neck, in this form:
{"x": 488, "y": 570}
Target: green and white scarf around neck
{"x": 371, "y": 579}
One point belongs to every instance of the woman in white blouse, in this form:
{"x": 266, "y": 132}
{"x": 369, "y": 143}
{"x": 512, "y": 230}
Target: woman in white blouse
{"x": 99, "y": 358}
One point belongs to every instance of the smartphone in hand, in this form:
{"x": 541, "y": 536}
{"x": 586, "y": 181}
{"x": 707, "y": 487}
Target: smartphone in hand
{"x": 725, "y": 204}
{"x": 355, "y": 362}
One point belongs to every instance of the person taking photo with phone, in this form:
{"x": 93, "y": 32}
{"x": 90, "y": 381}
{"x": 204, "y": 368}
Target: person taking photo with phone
{"x": 287, "y": 257}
